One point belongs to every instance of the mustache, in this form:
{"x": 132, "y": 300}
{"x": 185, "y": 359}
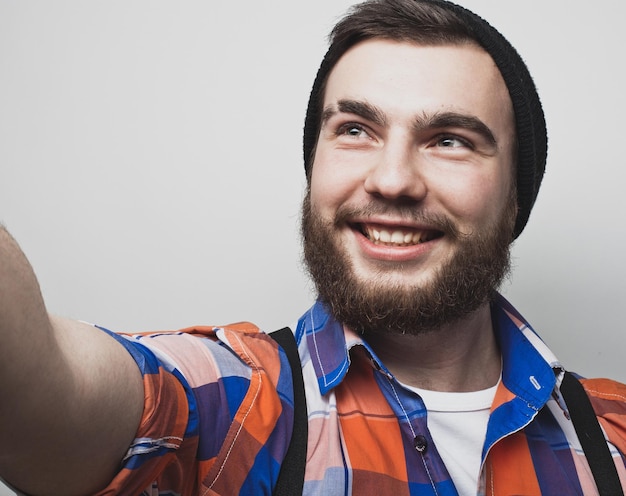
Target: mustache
{"x": 406, "y": 213}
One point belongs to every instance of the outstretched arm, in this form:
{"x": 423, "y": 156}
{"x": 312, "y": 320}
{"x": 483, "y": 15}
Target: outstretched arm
{"x": 70, "y": 396}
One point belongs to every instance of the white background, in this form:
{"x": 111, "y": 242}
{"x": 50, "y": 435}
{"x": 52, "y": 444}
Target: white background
{"x": 150, "y": 161}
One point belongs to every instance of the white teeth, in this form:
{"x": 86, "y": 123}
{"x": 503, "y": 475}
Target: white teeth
{"x": 396, "y": 238}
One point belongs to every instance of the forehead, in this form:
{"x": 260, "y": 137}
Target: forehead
{"x": 404, "y": 78}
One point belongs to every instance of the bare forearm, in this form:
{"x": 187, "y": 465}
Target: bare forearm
{"x": 22, "y": 311}
{"x": 71, "y": 396}
{"x": 25, "y": 329}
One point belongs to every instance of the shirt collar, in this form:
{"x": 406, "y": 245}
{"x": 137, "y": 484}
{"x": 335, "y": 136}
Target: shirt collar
{"x": 329, "y": 344}
{"x": 527, "y": 362}
{"x": 528, "y": 365}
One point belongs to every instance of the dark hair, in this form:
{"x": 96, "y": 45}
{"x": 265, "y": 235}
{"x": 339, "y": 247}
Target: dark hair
{"x": 439, "y": 22}
{"x": 400, "y": 20}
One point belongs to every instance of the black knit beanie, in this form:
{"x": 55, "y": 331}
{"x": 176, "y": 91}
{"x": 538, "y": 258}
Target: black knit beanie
{"x": 530, "y": 123}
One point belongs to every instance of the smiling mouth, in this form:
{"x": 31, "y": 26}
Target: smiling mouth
{"x": 397, "y": 236}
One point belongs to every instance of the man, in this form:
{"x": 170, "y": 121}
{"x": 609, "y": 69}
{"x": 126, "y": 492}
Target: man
{"x": 424, "y": 150}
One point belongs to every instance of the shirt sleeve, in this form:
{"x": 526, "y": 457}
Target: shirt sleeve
{"x": 192, "y": 383}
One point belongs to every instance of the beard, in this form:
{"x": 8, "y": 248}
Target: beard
{"x": 461, "y": 285}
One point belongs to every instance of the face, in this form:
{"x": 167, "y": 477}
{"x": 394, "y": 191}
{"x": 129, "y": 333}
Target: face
{"x": 411, "y": 191}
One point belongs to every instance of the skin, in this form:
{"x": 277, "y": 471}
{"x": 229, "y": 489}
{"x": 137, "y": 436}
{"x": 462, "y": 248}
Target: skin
{"x": 428, "y": 133}
{"x": 71, "y": 396}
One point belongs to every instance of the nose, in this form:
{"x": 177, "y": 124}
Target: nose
{"x": 396, "y": 172}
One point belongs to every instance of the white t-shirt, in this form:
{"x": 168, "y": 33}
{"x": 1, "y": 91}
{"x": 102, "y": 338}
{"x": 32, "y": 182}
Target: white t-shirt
{"x": 458, "y": 424}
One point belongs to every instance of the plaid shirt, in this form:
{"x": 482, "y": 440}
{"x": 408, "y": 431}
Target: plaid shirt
{"x": 219, "y": 411}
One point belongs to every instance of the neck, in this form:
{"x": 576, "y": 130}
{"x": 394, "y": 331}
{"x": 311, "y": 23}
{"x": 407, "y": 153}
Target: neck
{"x": 459, "y": 357}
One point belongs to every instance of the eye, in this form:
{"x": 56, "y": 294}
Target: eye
{"x": 451, "y": 141}
{"x": 352, "y": 130}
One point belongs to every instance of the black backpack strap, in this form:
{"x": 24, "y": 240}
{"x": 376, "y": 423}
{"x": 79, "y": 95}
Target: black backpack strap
{"x": 591, "y": 437}
{"x": 291, "y": 476}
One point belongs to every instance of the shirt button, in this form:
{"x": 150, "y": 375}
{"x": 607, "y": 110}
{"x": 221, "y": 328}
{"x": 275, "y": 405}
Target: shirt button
{"x": 420, "y": 443}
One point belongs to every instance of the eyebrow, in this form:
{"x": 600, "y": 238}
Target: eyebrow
{"x": 435, "y": 120}
{"x": 455, "y": 119}
{"x": 362, "y": 109}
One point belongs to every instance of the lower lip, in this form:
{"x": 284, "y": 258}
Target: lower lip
{"x": 393, "y": 253}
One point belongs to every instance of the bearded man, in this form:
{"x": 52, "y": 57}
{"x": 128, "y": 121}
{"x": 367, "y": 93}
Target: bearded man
{"x": 424, "y": 149}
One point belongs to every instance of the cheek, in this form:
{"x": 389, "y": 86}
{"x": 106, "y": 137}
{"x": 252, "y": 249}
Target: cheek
{"x": 324, "y": 191}
{"x": 331, "y": 184}
{"x": 476, "y": 199}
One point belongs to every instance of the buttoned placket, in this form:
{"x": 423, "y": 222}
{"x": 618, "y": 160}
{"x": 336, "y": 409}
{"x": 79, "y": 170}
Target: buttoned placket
{"x": 422, "y": 439}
